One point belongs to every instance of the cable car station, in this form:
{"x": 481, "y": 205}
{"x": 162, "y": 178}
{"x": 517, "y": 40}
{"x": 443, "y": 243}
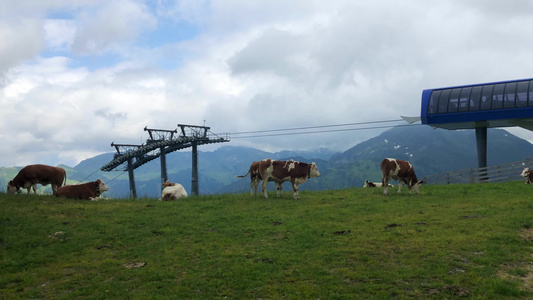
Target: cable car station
{"x": 480, "y": 106}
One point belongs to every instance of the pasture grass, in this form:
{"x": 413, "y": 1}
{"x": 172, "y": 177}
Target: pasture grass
{"x": 472, "y": 241}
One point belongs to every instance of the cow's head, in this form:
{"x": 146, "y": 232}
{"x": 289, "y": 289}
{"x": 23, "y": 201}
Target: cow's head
{"x": 525, "y": 173}
{"x": 166, "y": 183}
{"x": 11, "y": 188}
{"x": 313, "y": 171}
{"x": 416, "y": 187}
{"x": 101, "y": 186}
{"x": 369, "y": 184}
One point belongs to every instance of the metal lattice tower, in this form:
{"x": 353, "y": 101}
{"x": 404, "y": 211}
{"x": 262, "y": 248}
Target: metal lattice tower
{"x": 160, "y": 143}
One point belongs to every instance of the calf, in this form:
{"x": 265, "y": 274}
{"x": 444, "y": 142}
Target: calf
{"x": 86, "y": 191}
{"x": 172, "y": 191}
{"x": 31, "y": 175}
{"x": 527, "y": 173}
{"x": 400, "y": 170}
{"x": 370, "y": 184}
{"x": 280, "y": 171}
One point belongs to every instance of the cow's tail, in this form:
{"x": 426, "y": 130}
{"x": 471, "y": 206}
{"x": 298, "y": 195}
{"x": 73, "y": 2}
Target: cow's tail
{"x": 242, "y": 176}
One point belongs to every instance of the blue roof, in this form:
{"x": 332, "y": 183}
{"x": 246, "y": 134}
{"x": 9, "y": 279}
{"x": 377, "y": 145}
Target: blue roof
{"x": 494, "y": 104}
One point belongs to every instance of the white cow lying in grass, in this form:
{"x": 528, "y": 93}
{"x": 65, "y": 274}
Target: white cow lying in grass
{"x": 172, "y": 191}
{"x": 374, "y": 184}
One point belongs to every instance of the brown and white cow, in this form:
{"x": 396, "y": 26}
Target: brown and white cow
{"x": 172, "y": 191}
{"x": 31, "y": 175}
{"x": 399, "y": 170}
{"x": 527, "y": 173}
{"x": 86, "y": 191}
{"x": 280, "y": 171}
{"x": 255, "y": 178}
{"x": 370, "y": 184}
{"x": 168, "y": 183}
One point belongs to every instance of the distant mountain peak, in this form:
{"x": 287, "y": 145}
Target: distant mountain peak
{"x": 429, "y": 150}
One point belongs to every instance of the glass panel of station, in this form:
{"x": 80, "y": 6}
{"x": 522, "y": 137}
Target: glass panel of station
{"x": 516, "y": 94}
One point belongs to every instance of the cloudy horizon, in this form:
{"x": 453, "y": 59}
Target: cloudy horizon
{"x": 78, "y": 75}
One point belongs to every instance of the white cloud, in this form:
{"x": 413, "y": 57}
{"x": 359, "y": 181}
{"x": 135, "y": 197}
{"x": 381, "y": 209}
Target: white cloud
{"x": 21, "y": 39}
{"x": 77, "y": 75}
{"x": 47, "y": 72}
{"x": 111, "y": 26}
{"x": 191, "y": 11}
{"x": 59, "y": 34}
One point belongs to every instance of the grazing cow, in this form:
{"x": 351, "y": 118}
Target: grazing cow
{"x": 31, "y": 175}
{"x": 172, "y": 191}
{"x": 86, "y": 191}
{"x": 280, "y": 171}
{"x": 527, "y": 173}
{"x": 371, "y": 184}
{"x": 400, "y": 170}
{"x": 255, "y": 177}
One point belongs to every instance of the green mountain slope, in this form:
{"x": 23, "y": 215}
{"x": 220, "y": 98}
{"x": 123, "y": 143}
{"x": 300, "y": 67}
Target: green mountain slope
{"x": 429, "y": 150}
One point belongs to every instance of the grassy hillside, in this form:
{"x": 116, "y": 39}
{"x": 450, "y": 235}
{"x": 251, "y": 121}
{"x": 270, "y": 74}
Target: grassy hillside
{"x": 431, "y": 151}
{"x": 454, "y": 241}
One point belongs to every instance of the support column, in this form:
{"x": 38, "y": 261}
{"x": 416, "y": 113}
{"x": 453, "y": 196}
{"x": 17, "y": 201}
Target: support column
{"x": 194, "y": 180}
{"x": 163, "y": 160}
{"x": 481, "y": 140}
{"x": 133, "y": 192}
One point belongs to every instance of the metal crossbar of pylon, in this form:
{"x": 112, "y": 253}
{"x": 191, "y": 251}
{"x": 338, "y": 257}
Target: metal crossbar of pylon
{"x": 161, "y": 142}
{"x": 160, "y": 134}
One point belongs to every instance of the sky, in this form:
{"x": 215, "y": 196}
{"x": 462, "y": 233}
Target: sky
{"x": 77, "y": 75}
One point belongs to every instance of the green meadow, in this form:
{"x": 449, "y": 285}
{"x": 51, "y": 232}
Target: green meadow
{"x": 448, "y": 242}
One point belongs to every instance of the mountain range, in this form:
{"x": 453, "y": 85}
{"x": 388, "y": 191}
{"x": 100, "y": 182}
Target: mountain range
{"x": 429, "y": 150}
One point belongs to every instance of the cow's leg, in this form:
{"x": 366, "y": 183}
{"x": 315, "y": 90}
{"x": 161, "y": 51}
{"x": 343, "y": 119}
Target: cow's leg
{"x": 253, "y": 187}
{"x": 295, "y": 187}
{"x": 54, "y": 188}
{"x": 400, "y": 183}
{"x": 279, "y": 188}
{"x": 34, "y": 186}
{"x": 264, "y": 188}
{"x": 385, "y": 184}
{"x": 409, "y": 186}
{"x": 26, "y": 186}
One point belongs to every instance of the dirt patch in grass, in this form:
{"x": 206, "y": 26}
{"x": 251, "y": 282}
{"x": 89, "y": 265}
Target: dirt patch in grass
{"x": 393, "y": 225}
{"x": 456, "y": 290}
{"x": 526, "y": 234}
{"x": 523, "y": 271}
{"x": 342, "y": 232}
{"x": 134, "y": 265}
